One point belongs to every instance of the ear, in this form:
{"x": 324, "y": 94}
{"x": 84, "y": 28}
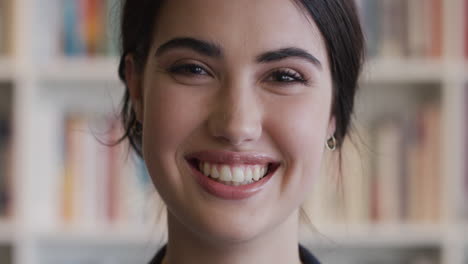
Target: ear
{"x": 331, "y": 126}
{"x": 133, "y": 81}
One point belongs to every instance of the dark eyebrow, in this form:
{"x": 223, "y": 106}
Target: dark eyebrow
{"x": 284, "y": 53}
{"x": 204, "y": 47}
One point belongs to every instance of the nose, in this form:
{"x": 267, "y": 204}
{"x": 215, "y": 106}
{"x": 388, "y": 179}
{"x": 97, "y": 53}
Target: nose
{"x": 236, "y": 118}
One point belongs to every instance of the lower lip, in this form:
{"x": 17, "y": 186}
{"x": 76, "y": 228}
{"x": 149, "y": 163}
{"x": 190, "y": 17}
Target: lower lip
{"x": 229, "y": 192}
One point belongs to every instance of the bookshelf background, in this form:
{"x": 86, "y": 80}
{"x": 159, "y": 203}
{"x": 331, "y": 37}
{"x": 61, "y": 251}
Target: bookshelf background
{"x": 59, "y": 90}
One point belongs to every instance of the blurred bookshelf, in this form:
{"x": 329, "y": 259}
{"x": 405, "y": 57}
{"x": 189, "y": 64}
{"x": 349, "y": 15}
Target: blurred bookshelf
{"x": 403, "y": 185}
{"x": 404, "y": 190}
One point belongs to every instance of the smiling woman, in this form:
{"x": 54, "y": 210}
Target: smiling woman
{"x": 231, "y": 105}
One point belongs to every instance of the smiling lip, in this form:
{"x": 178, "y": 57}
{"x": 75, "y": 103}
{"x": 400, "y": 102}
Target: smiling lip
{"x": 230, "y": 192}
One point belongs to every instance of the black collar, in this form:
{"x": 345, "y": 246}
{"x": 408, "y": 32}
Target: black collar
{"x": 304, "y": 254}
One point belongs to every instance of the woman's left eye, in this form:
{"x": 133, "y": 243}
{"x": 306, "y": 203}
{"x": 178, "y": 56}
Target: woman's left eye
{"x": 189, "y": 69}
{"x": 286, "y": 76}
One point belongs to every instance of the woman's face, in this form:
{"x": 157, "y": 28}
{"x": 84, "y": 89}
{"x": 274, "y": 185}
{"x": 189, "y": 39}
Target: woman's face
{"x": 236, "y": 90}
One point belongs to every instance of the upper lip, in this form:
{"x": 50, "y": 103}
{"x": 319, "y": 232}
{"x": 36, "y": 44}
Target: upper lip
{"x": 232, "y": 158}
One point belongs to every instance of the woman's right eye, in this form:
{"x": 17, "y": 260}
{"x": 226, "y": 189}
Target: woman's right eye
{"x": 189, "y": 69}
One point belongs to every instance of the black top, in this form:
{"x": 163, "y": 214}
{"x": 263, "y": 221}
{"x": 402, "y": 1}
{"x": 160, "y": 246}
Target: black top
{"x": 305, "y": 256}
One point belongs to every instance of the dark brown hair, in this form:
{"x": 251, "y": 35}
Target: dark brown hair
{"x": 337, "y": 21}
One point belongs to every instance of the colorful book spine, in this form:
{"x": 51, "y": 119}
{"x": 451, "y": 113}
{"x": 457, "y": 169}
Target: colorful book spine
{"x": 391, "y": 28}
{"x": 6, "y": 8}
{"x": 114, "y": 157}
{"x": 86, "y": 27}
{"x": 403, "y": 28}
{"x": 437, "y": 22}
{"x": 416, "y": 28}
{"x": 394, "y": 176}
{"x": 2, "y": 30}
{"x": 466, "y": 28}
{"x": 112, "y": 17}
{"x": 102, "y": 184}
{"x": 73, "y": 163}
{"x": 72, "y": 37}
{"x": 388, "y": 161}
{"x": 94, "y": 21}
{"x": 465, "y": 154}
{"x": 371, "y": 23}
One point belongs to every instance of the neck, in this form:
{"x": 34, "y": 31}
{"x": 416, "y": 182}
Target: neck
{"x": 278, "y": 245}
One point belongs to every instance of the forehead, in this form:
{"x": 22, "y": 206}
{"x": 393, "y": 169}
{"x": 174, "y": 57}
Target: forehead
{"x": 241, "y": 26}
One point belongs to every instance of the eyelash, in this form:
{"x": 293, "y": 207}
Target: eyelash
{"x": 294, "y": 76}
{"x": 187, "y": 69}
{"x": 194, "y": 69}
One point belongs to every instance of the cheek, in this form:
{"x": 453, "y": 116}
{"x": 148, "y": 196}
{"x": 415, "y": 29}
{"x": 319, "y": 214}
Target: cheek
{"x": 299, "y": 130}
{"x": 300, "y": 126}
{"x": 163, "y": 123}
{"x": 169, "y": 119}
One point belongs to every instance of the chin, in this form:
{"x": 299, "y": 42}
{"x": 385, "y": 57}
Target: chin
{"x": 232, "y": 231}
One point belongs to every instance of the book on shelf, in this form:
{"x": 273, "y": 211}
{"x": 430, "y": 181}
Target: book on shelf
{"x": 89, "y": 27}
{"x": 5, "y": 167}
{"x": 102, "y": 184}
{"x": 402, "y": 28}
{"x": 392, "y": 177}
{"x": 465, "y": 4}
{"x": 6, "y": 254}
{"x": 464, "y": 206}
{"x": 5, "y": 22}
{"x": 410, "y": 150}
{"x": 388, "y": 161}
{"x": 5, "y": 153}
{"x": 2, "y": 30}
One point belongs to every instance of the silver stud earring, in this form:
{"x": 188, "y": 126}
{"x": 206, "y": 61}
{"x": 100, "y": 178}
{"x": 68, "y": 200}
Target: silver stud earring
{"x": 331, "y": 143}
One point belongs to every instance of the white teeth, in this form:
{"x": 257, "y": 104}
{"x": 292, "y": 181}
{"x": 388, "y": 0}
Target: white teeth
{"x": 237, "y": 174}
{"x": 256, "y": 173}
{"x": 248, "y": 176}
{"x": 233, "y": 175}
{"x": 206, "y": 168}
{"x": 225, "y": 174}
{"x": 214, "y": 172}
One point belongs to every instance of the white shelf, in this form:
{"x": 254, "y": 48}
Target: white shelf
{"x": 76, "y": 69}
{"x": 403, "y": 71}
{"x": 382, "y": 236}
{"x": 103, "y": 236}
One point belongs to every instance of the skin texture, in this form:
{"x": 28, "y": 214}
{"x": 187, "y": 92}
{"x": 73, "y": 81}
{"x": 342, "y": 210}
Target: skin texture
{"x": 236, "y": 104}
